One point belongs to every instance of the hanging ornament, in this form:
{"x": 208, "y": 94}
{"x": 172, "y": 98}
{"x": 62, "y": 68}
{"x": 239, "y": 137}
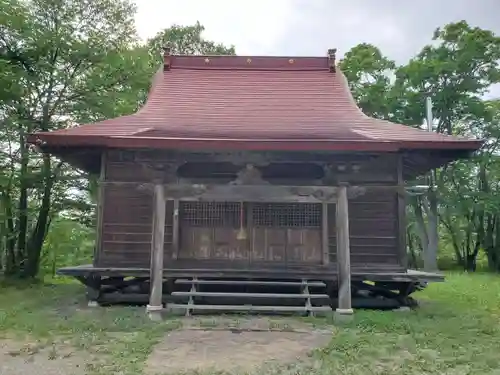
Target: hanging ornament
{"x": 242, "y": 233}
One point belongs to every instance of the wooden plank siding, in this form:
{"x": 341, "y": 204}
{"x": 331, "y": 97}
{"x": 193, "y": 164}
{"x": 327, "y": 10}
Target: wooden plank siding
{"x": 127, "y": 224}
{"x": 373, "y": 230}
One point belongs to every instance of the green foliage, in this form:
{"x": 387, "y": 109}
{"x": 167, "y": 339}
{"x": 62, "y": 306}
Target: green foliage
{"x": 456, "y": 70}
{"x": 184, "y": 40}
{"x": 69, "y": 57}
{"x": 64, "y": 63}
{"x": 68, "y": 242}
{"x": 367, "y": 72}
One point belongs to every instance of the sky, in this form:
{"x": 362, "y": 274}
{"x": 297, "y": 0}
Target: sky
{"x": 310, "y": 27}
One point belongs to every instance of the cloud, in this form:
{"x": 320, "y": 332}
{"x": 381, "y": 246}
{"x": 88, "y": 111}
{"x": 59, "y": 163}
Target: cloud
{"x": 253, "y": 27}
{"x": 305, "y": 27}
{"x": 310, "y": 27}
{"x": 398, "y": 28}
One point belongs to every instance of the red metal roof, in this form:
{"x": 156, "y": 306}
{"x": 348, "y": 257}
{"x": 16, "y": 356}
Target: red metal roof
{"x": 236, "y": 102}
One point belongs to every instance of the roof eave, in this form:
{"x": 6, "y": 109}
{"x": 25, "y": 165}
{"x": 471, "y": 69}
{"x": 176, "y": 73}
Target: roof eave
{"x": 66, "y": 140}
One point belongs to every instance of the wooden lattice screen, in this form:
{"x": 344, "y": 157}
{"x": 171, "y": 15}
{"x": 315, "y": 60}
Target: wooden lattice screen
{"x": 228, "y": 214}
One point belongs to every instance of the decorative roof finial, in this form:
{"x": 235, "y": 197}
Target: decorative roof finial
{"x": 331, "y": 59}
{"x": 167, "y": 50}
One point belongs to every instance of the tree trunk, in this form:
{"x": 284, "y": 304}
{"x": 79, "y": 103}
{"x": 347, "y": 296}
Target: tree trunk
{"x": 493, "y": 248}
{"x": 42, "y": 223}
{"x": 447, "y": 222}
{"x": 420, "y": 222}
{"x": 430, "y": 256}
{"x": 413, "y": 258}
{"x": 22, "y": 220}
{"x": 11, "y": 262}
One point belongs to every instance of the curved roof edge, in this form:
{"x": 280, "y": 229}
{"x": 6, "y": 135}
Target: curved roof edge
{"x": 251, "y": 103}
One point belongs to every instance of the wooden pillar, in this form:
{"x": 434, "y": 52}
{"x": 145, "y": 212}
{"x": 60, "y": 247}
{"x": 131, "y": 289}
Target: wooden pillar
{"x": 155, "y": 305}
{"x": 175, "y": 230}
{"x": 403, "y": 255}
{"x": 100, "y": 208}
{"x": 94, "y": 287}
{"x": 343, "y": 253}
{"x": 325, "y": 243}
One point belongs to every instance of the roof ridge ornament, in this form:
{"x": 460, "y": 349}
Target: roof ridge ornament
{"x": 167, "y": 53}
{"x": 331, "y": 59}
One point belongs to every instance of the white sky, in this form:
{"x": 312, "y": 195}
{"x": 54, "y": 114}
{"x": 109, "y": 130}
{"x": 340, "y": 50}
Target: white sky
{"x": 309, "y": 27}
{"x": 253, "y": 27}
{"x": 400, "y": 28}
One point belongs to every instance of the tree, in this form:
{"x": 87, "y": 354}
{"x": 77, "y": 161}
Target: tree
{"x": 184, "y": 40}
{"x": 456, "y": 70}
{"x": 472, "y": 222}
{"x": 66, "y": 63}
{"x": 74, "y": 61}
{"x": 368, "y": 73}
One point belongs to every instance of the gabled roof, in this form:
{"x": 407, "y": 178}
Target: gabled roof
{"x": 252, "y": 103}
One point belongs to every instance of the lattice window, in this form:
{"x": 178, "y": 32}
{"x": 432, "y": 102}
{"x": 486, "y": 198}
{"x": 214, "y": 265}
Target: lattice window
{"x": 228, "y": 214}
{"x": 303, "y": 215}
{"x": 211, "y": 214}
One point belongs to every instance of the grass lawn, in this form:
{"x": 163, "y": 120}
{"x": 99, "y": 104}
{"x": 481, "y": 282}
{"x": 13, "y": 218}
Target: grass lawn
{"x": 455, "y": 331}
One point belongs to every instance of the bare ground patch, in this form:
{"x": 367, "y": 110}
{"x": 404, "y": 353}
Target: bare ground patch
{"x": 228, "y": 345}
{"x": 42, "y": 358}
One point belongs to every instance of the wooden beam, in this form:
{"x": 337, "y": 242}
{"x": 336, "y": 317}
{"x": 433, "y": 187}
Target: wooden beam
{"x": 155, "y": 305}
{"x": 243, "y": 157}
{"x": 343, "y": 253}
{"x": 253, "y": 193}
{"x": 267, "y": 192}
{"x": 325, "y": 243}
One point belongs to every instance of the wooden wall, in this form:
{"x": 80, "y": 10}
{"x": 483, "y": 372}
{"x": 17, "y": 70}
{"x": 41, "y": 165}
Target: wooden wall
{"x": 373, "y": 227}
{"x": 126, "y": 215}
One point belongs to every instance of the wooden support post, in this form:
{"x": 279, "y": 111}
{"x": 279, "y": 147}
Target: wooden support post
{"x": 343, "y": 253}
{"x": 155, "y": 298}
{"x": 94, "y": 287}
{"x": 401, "y": 202}
{"x": 175, "y": 230}
{"x": 93, "y": 290}
{"x": 325, "y": 243}
{"x": 100, "y": 208}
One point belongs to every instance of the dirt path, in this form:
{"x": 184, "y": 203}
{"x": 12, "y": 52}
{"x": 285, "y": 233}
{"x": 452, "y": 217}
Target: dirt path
{"x": 229, "y": 345}
{"x": 21, "y": 358}
{"x": 223, "y": 344}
